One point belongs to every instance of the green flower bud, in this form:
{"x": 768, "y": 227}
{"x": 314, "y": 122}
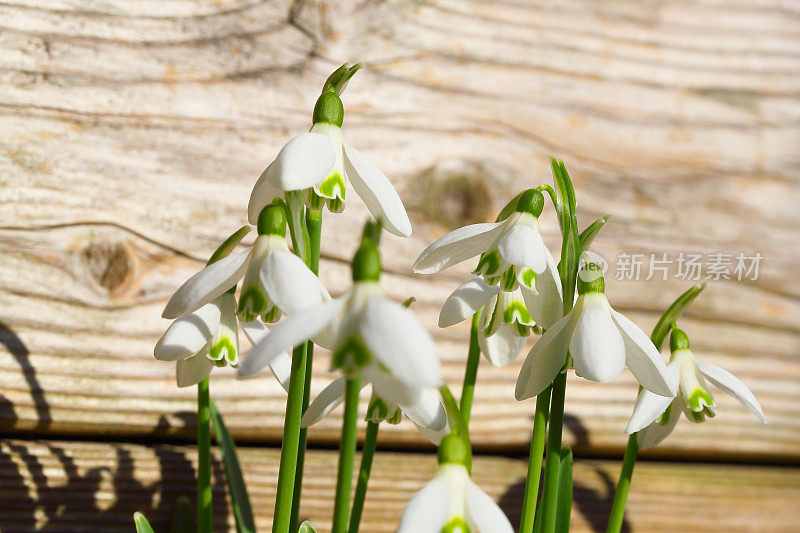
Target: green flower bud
{"x": 590, "y": 279}
{"x": 455, "y": 449}
{"x": 678, "y": 340}
{"x": 329, "y": 109}
{"x": 272, "y": 220}
{"x": 531, "y": 201}
{"x": 367, "y": 263}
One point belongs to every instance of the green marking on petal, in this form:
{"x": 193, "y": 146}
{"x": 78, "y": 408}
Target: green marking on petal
{"x": 252, "y": 303}
{"x": 709, "y": 412}
{"x": 516, "y": 311}
{"x": 697, "y": 416}
{"x": 377, "y": 410}
{"x": 335, "y": 205}
{"x": 223, "y": 347}
{"x": 456, "y": 525}
{"x": 396, "y": 417}
{"x": 699, "y": 399}
{"x": 509, "y": 280}
{"x": 351, "y": 356}
{"x": 493, "y": 323}
{"x": 529, "y": 279}
{"x": 521, "y": 329}
{"x": 312, "y": 200}
{"x": 331, "y": 187}
{"x": 271, "y": 315}
{"x": 488, "y": 264}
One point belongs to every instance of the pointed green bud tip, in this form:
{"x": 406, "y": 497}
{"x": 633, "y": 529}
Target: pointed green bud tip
{"x": 590, "y": 279}
{"x": 455, "y": 449}
{"x": 678, "y": 340}
{"x": 272, "y": 220}
{"x": 367, "y": 263}
{"x": 371, "y": 232}
{"x": 531, "y": 201}
{"x": 329, "y": 109}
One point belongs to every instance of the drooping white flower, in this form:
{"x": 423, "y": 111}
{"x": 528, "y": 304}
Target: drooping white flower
{"x": 654, "y": 417}
{"x": 507, "y": 317}
{"x": 319, "y": 163}
{"x": 512, "y": 251}
{"x": 367, "y": 333}
{"x": 453, "y": 503}
{"x": 209, "y": 337}
{"x": 600, "y": 341}
{"x": 275, "y": 280}
{"x": 425, "y": 411}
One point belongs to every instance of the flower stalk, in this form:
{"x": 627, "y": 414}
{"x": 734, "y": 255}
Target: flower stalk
{"x": 471, "y": 372}
{"x": 617, "y": 515}
{"x": 367, "y": 453}
{"x": 347, "y": 449}
{"x": 204, "y": 508}
{"x": 535, "y": 461}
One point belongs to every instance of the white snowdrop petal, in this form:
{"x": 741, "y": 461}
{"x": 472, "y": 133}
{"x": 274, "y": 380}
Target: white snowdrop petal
{"x": 264, "y": 191}
{"x": 426, "y": 410}
{"x": 281, "y": 368}
{"x": 465, "y": 301}
{"x": 193, "y": 370}
{"x": 522, "y": 245}
{"x": 188, "y": 335}
{"x": 656, "y": 431}
{"x": 649, "y": 405}
{"x": 545, "y": 359}
{"x": 643, "y": 359}
{"x": 287, "y": 334}
{"x": 206, "y": 285}
{"x": 290, "y": 284}
{"x": 427, "y": 510}
{"x": 325, "y": 402}
{"x": 303, "y": 162}
{"x": 458, "y": 245}
{"x": 391, "y": 389}
{"x": 503, "y": 346}
{"x": 733, "y": 386}
{"x": 484, "y": 513}
{"x": 597, "y": 348}
{"x": 398, "y": 340}
{"x": 377, "y": 192}
{"x": 546, "y": 308}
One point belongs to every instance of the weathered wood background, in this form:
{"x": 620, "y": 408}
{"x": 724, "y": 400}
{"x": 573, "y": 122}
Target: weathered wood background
{"x": 132, "y": 132}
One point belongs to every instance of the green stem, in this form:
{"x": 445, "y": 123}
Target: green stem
{"x": 535, "y": 461}
{"x": 291, "y": 442}
{"x": 621, "y": 496}
{"x": 367, "y": 452}
{"x": 551, "y": 468}
{"x": 347, "y": 451}
{"x": 314, "y": 226}
{"x": 471, "y": 372}
{"x": 204, "y": 509}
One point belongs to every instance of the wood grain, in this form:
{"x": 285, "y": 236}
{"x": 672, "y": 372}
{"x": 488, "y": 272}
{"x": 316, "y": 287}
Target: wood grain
{"x": 108, "y": 482}
{"x": 133, "y": 132}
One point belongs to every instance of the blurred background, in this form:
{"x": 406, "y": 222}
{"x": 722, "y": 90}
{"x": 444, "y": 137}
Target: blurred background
{"x": 131, "y": 133}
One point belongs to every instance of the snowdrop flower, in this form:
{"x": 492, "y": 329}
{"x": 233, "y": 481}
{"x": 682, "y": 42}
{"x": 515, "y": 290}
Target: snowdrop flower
{"x": 600, "y": 341}
{"x": 275, "y": 280}
{"x": 367, "y": 333}
{"x": 512, "y": 251}
{"x": 425, "y": 411}
{"x": 507, "y": 317}
{"x": 452, "y": 502}
{"x": 318, "y": 163}
{"x": 654, "y": 416}
{"x": 201, "y": 340}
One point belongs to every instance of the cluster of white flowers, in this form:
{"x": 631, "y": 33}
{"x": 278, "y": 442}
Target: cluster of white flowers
{"x": 517, "y": 292}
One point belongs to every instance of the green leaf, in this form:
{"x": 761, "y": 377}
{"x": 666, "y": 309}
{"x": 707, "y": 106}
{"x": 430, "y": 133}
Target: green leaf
{"x": 242, "y": 512}
{"x": 142, "y": 525}
{"x": 182, "y": 517}
{"x": 587, "y": 236}
{"x": 565, "y": 208}
{"x": 564, "y": 504}
{"x": 306, "y": 527}
{"x": 674, "y": 312}
{"x": 407, "y": 303}
{"x": 229, "y": 244}
{"x": 338, "y": 79}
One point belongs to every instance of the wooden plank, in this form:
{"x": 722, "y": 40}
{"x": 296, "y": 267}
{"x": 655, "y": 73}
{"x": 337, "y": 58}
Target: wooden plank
{"x": 84, "y": 486}
{"x": 134, "y": 131}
